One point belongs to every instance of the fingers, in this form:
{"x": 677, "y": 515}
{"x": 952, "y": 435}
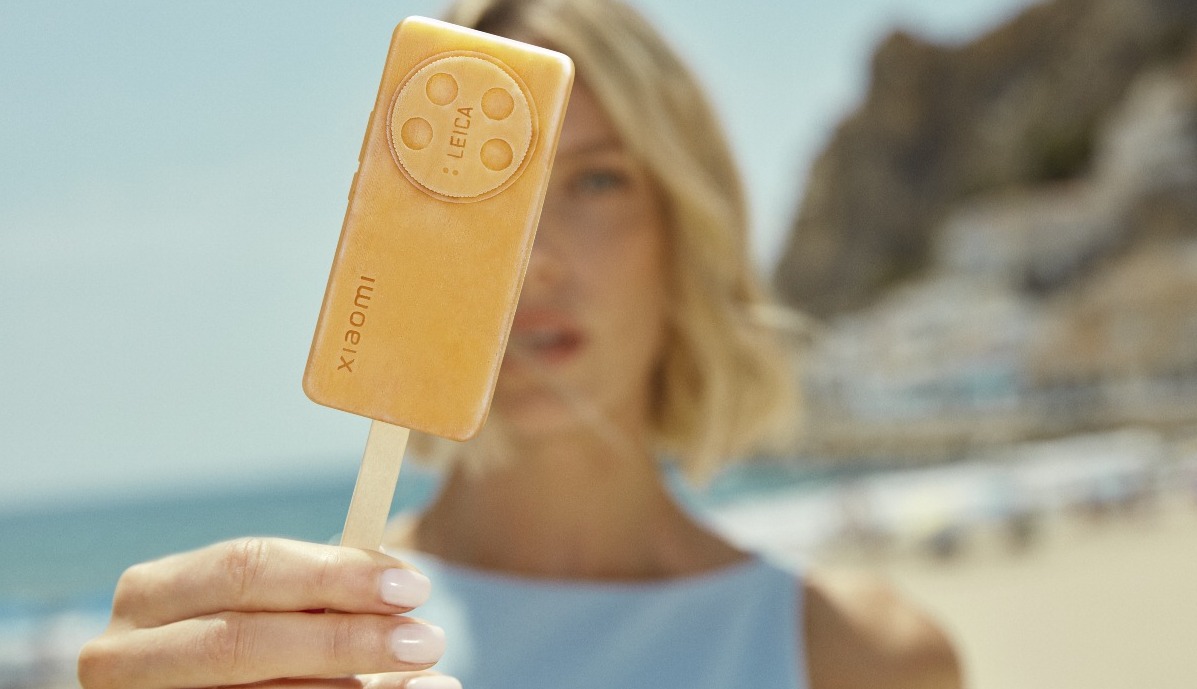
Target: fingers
{"x": 243, "y": 648}
{"x": 390, "y": 680}
{"x": 234, "y": 614}
{"x": 265, "y": 575}
{"x": 410, "y": 680}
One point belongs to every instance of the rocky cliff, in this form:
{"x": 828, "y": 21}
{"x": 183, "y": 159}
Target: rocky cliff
{"x": 941, "y": 126}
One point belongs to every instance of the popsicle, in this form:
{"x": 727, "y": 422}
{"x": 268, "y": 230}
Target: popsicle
{"x": 439, "y": 228}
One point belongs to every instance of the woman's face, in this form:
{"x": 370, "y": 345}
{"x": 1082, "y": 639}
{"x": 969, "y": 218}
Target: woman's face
{"x": 589, "y": 328}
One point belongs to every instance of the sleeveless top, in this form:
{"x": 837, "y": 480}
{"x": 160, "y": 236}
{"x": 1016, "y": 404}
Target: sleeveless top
{"x": 734, "y": 627}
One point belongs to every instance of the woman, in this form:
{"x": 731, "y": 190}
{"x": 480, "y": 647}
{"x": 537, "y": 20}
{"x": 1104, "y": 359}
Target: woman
{"x": 557, "y": 556}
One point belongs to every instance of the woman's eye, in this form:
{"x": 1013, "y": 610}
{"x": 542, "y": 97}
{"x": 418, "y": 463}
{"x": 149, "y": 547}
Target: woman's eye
{"x": 598, "y": 181}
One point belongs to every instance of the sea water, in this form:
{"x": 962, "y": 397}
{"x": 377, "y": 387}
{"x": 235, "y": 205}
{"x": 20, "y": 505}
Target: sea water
{"x": 55, "y": 555}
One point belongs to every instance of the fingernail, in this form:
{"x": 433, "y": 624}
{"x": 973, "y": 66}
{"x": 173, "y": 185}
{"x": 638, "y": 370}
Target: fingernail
{"x": 433, "y": 682}
{"x": 404, "y": 587}
{"x": 417, "y": 643}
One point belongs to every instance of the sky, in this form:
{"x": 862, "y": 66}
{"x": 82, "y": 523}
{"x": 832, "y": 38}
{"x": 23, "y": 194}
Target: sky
{"x": 172, "y": 184}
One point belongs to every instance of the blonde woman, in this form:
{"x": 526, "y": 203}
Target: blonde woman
{"x": 554, "y": 555}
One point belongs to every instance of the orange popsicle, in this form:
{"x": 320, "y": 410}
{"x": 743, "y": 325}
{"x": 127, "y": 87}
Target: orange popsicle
{"x": 442, "y": 213}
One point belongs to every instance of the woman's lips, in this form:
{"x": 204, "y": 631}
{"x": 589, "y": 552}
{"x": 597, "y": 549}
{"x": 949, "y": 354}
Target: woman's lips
{"x": 546, "y": 337}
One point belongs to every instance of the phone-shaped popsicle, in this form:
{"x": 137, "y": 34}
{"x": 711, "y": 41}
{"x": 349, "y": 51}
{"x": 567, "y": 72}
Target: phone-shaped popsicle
{"x": 440, "y": 223}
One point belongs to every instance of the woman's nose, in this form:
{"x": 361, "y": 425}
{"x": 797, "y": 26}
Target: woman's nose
{"x": 548, "y": 264}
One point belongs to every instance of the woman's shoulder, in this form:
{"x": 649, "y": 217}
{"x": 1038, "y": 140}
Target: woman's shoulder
{"x": 859, "y": 632}
{"x": 400, "y": 533}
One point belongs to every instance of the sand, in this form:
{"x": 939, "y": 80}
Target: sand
{"x": 1092, "y": 604}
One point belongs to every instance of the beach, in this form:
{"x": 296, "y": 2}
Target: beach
{"x": 1105, "y": 602}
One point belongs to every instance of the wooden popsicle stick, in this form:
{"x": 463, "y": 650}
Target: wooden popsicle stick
{"x": 370, "y": 505}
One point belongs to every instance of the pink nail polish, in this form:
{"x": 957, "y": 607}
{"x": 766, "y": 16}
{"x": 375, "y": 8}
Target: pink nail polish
{"x": 417, "y": 643}
{"x": 433, "y": 682}
{"x": 404, "y": 588}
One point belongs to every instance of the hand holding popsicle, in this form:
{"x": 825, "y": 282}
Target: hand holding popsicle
{"x": 423, "y": 289}
{"x": 239, "y": 612}
{"x": 438, "y": 232}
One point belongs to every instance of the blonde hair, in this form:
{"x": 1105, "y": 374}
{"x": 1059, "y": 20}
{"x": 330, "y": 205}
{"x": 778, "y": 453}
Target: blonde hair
{"x": 725, "y": 382}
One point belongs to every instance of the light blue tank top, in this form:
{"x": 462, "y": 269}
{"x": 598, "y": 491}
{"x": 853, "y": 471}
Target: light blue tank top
{"x": 736, "y": 627}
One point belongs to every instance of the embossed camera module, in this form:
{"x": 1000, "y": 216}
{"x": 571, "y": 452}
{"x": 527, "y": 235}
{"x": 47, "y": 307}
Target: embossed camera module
{"x": 461, "y": 126}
